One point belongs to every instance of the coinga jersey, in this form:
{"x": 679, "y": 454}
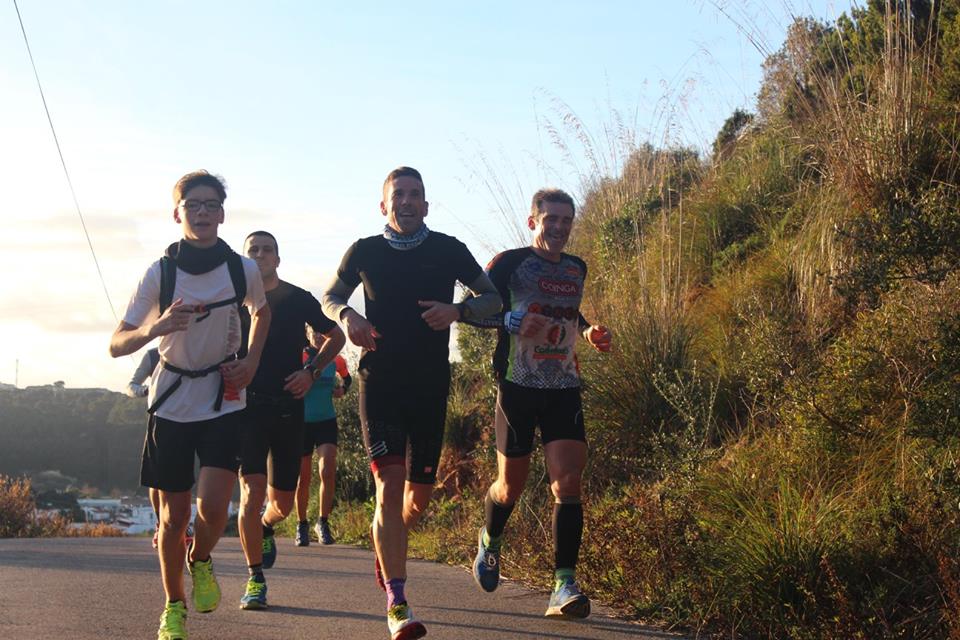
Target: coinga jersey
{"x": 531, "y": 284}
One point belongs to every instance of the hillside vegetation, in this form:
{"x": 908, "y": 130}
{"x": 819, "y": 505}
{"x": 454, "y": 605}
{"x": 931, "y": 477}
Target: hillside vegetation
{"x": 773, "y": 441}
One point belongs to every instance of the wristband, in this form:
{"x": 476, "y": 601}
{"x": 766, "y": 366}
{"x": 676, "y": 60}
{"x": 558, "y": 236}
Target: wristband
{"x": 512, "y": 320}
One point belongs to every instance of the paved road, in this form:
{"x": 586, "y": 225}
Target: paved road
{"x": 86, "y": 588}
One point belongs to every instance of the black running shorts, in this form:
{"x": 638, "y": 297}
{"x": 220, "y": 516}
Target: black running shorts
{"x": 273, "y": 439}
{"x": 170, "y": 447}
{"x": 411, "y": 410}
{"x": 558, "y": 413}
{"x": 319, "y": 433}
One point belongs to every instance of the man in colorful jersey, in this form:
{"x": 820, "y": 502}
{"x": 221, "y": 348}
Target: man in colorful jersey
{"x": 270, "y": 450}
{"x": 539, "y": 385}
{"x": 408, "y": 274}
{"x": 197, "y": 392}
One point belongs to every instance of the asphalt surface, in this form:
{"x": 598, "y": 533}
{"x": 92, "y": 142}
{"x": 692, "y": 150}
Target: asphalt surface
{"x": 86, "y": 588}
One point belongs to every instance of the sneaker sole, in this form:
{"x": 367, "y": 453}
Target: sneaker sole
{"x": 410, "y": 632}
{"x": 253, "y": 606}
{"x": 576, "y": 609}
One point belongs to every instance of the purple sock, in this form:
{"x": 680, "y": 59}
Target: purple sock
{"x": 395, "y": 592}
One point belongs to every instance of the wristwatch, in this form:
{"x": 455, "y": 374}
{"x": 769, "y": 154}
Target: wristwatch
{"x": 312, "y": 370}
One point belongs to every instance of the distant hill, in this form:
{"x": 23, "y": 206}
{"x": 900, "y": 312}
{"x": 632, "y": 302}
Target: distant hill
{"x": 92, "y": 435}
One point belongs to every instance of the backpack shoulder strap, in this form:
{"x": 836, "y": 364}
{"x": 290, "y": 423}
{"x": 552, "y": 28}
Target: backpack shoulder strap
{"x": 237, "y": 277}
{"x": 168, "y": 280}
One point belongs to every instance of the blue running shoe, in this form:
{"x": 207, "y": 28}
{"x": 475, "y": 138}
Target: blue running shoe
{"x": 486, "y": 566}
{"x": 269, "y": 551}
{"x": 255, "y": 596}
{"x": 568, "y": 602}
{"x": 303, "y": 534}
{"x": 323, "y": 532}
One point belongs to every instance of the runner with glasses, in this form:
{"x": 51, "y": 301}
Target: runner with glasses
{"x": 190, "y": 299}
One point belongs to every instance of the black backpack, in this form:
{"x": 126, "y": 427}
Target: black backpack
{"x": 168, "y": 281}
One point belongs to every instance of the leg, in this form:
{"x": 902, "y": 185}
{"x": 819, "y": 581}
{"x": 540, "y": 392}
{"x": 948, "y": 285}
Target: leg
{"x": 565, "y": 462}
{"x": 155, "y": 502}
{"x": 253, "y": 491}
{"x": 389, "y": 532}
{"x": 174, "y": 516}
{"x": 303, "y": 487}
{"x": 214, "y": 489}
{"x": 279, "y": 505}
{"x": 327, "y": 468}
{"x": 514, "y": 423}
{"x": 565, "y": 453}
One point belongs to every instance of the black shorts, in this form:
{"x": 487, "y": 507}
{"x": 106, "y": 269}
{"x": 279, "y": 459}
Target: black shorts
{"x": 170, "y": 447}
{"x": 272, "y": 439}
{"x": 393, "y": 414}
{"x": 558, "y": 413}
{"x": 319, "y": 433}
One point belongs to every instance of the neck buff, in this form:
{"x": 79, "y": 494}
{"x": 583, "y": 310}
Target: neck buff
{"x": 405, "y": 242}
{"x": 196, "y": 261}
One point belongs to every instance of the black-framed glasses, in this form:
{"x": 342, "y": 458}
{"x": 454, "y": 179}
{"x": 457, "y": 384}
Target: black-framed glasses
{"x": 194, "y": 206}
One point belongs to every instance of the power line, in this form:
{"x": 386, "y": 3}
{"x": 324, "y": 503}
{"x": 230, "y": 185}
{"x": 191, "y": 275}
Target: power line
{"x": 63, "y": 163}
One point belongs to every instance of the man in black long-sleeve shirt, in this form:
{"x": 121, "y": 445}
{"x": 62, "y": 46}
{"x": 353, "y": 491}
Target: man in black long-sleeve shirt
{"x": 408, "y": 274}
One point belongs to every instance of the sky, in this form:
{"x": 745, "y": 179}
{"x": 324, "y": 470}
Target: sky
{"x": 303, "y": 108}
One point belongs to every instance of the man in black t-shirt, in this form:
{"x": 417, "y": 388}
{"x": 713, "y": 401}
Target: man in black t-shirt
{"x": 408, "y": 274}
{"x": 270, "y": 451}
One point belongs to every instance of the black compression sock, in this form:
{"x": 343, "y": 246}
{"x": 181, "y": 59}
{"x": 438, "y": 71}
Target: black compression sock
{"x": 567, "y": 533}
{"x": 267, "y": 530}
{"x": 495, "y": 516}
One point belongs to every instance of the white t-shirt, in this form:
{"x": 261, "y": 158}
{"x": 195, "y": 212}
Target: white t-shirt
{"x": 202, "y": 344}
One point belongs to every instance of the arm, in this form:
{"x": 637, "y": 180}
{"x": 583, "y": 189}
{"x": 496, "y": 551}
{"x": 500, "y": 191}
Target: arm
{"x": 299, "y": 382}
{"x": 239, "y": 373}
{"x": 136, "y": 388}
{"x": 597, "y": 335}
{"x": 484, "y": 301}
{"x": 128, "y": 338}
{"x": 357, "y": 328}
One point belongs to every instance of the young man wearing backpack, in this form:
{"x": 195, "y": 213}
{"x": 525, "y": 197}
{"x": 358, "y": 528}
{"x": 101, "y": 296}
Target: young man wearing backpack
{"x": 190, "y": 299}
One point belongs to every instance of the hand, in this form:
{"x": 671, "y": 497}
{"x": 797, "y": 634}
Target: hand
{"x": 338, "y": 392}
{"x": 533, "y": 324}
{"x": 239, "y": 373}
{"x": 298, "y": 383}
{"x": 599, "y": 337}
{"x": 176, "y": 318}
{"x": 439, "y": 315}
{"x": 360, "y": 331}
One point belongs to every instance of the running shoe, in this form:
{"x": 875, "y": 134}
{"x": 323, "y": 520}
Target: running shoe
{"x": 188, "y": 536}
{"x": 269, "y": 551}
{"x": 255, "y": 596}
{"x": 206, "y": 591}
{"x": 173, "y": 622}
{"x": 156, "y": 536}
{"x": 322, "y": 529}
{"x": 568, "y": 602}
{"x": 486, "y": 566}
{"x": 402, "y": 624}
{"x": 303, "y": 534}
